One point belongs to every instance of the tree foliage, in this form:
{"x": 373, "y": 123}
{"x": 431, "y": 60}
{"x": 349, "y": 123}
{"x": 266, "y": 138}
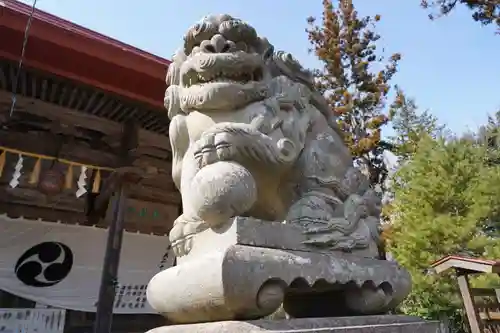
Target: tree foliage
{"x": 489, "y": 136}
{"x": 483, "y": 11}
{"x": 444, "y": 201}
{"x": 410, "y": 126}
{"x": 354, "y": 79}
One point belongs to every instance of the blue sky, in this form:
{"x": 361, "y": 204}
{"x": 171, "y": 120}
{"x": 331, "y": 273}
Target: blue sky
{"x": 451, "y": 66}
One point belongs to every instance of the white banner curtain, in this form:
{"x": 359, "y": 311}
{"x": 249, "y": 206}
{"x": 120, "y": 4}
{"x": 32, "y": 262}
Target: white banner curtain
{"x": 60, "y": 265}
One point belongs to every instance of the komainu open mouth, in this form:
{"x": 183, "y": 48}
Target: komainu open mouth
{"x": 227, "y": 76}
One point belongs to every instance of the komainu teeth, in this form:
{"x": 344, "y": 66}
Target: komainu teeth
{"x": 221, "y": 76}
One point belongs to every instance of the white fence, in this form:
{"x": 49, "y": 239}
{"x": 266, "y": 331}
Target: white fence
{"x": 32, "y": 320}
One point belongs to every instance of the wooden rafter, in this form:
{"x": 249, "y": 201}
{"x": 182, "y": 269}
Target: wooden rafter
{"x": 3, "y": 79}
{"x": 63, "y": 115}
{"x": 88, "y": 100}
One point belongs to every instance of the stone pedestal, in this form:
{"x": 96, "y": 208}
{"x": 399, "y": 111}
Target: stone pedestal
{"x": 365, "y": 324}
{"x": 249, "y": 269}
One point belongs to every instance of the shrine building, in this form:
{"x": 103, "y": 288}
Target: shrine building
{"x": 81, "y": 114}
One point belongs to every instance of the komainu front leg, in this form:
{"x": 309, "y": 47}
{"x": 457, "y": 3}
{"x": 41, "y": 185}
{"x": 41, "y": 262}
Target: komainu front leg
{"x": 243, "y": 143}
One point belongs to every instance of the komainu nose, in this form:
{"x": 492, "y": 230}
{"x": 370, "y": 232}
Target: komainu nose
{"x": 218, "y": 44}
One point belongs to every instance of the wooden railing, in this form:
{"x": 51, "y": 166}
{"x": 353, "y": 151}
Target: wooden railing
{"x": 487, "y": 305}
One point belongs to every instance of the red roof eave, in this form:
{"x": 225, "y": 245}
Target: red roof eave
{"x": 77, "y": 53}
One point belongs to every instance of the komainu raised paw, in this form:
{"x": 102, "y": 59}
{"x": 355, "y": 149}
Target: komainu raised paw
{"x": 213, "y": 147}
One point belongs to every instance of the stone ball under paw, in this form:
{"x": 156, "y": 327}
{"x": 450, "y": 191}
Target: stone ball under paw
{"x": 222, "y": 190}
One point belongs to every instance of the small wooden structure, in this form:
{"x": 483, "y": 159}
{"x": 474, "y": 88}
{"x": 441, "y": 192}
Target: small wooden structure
{"x": 482, "y": 305}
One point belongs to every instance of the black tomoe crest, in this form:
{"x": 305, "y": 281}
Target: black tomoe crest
{"x": 44, "y": 264}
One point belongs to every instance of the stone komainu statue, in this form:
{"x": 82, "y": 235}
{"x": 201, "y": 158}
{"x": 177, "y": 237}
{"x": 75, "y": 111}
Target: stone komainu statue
{"x": 252, "y": 137}
{"x": 274, "y": 213}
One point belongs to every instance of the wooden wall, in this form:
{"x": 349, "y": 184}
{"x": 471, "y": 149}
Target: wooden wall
{"x": 38, "y": 127}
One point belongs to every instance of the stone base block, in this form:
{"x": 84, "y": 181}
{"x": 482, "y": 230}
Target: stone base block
{"x": 365, "y": 324}
{"x": 246, "y": 283}
{"x": 250, "y": 268}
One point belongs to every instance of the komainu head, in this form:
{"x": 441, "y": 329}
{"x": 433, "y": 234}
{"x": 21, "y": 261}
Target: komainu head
{"x": 220, "y": 66}
{"x": 224, "y": 65}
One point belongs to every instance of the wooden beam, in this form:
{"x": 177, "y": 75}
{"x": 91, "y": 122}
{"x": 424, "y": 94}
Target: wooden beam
{"x": 489, "y": 315}
{"x": 102, "y": 103}
{"x": 144, "y": 193}
{"x": 138, "y": 188}
{"x": 64, "y": 201}
{"x": 119, "y": 108}
{"x": 73, "y": 96}
{"x": 83, "y": 96}
{"x": 161, "y": 181}
{"x": 34, "y": 87}
{"x": 49, "y": 214}
{"x": 24, "y": 82}
{"x": 147, "y": 161}
{"x": 154, "y": 151}
{"x": 60, "y": 114}
{"x": 125, "y": 173}
{"x": 104, "y": 311}
{"x": 53, "y": 92}
{"x": 470, "y": 308}
{"x": 113, "y": 182}
{"x": 3, "y": 78}
{"x": 12, "y": 77}
{"x": 484, "y": 292}
{"x": 45, "y": 86}
{"x": 129, "y": 115}
{"x": 147, "y": 217}
{"x": 109, "y": 276}
{"x": 36, "y": 142}
{"x": 90, "y": 101}
{"x": 62, "y": 95}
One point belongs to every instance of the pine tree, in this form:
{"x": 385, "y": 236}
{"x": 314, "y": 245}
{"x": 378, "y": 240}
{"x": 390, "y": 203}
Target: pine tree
{"x": 410, "y": 126}
{"x": 444, "y": 200}
{"x": 346, "y": 44}
{"x": 483, "y": 11}
{"x": 489, "y": 134}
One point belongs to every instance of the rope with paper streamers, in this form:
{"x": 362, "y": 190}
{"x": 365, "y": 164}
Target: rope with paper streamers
{"x": 35, "y": 173}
